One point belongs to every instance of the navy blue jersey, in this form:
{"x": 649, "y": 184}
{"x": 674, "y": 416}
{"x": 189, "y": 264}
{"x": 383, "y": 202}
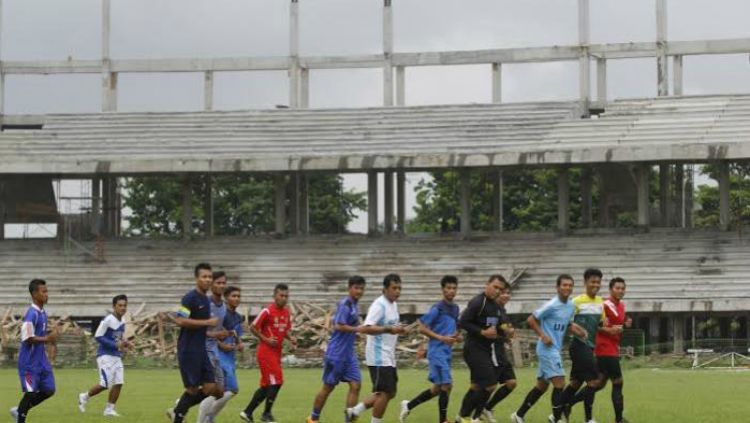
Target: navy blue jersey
{"x": 194, "y": 305}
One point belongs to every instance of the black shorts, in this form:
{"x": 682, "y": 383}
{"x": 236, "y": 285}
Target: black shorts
{"x": 481, "y": 366}
{"x": 384, "y": 379}
{"x": 195, "y": 369}
{"x": 584, "y": 362}
{"x": 504, "y": 371}
{"x": 609, "y": 367}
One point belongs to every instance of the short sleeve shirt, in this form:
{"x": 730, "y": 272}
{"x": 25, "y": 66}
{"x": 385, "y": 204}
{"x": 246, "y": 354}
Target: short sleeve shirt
{"x": 111, "y": 329}
{"x": 380, "y": 350}
{"x": 341, "y": 344}
{"x": 33, "y": 356}
{"x": 443, "y": 320}
{"x": 555, "y": 317}
{"x": 194, "y": 305}
{"x": 273, "y": 321}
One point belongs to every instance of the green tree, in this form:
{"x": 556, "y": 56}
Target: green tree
{"x": 707, "y": 196}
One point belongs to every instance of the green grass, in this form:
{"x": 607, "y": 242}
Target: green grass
{"x": 651, "y": 396}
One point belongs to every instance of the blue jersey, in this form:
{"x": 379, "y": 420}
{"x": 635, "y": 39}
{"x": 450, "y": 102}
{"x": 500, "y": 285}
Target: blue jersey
{"x": 108, "y": 334}
{"x": 219, "y": 311}
{"x": 441, "y": 319}
{"x": 232, "y": 322}
{"x": 33, "y": 356}
{"x": 554, "y": 317}
{"x": 341, "y": 344}
{"x": 194, "y": 305}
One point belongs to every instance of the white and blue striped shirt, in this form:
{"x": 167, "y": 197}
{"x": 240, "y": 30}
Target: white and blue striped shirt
{"x": 381, "y": 349}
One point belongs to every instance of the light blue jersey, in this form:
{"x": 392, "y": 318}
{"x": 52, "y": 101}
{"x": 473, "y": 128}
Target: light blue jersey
{"x": 554, "y": 317}
{"x": 220, "y": 311}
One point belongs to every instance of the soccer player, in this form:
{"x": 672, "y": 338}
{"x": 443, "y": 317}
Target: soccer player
{"x": 551, "y": 322}
{"x": 194, "y": 319}
{"x": 382, "y": 328}
{"x": 271, "y": 327}
{"x": 109, "y": 335}
{"x": 34, "y": 369}
{"x": 589, "y": 312}
{"x": 229, "y": 347}
{"x": 440, "y": 324}
{"x": 481, "y": 320}
{"x": 214, "y": 335}
{"x": 506, "y": 376}
{"x": 340, "y": 363}
{"x": 608, "y": 344}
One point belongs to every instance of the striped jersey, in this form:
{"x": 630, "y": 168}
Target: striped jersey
{"x": 380, "y": 350}
{"x": 589, "y": 315}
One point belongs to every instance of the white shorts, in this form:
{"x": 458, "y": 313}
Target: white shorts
{"x": 111, "y": 371}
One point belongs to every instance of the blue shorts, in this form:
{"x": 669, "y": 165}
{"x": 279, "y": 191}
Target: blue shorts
{"x": 440, "y": 370}
{"x": 550, "y": 365}
{"x": 230, "y": 374}
{"x": 37, "y": 380}
{"x": 345, "y": 370}
{"x": 196, "y": 369}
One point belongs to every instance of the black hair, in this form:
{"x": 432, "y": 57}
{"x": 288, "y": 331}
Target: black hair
{"x": 616, "y": 280}
{"x": 230, "y": 289}
{"x": 117, "y": 298}
{"x": 201, "y": 266}
{"x": 591, "y": 272}
{"x": 35, "y": 284}
{"x": 497, "y": 277}
{"x": 391, "y": 277}
{"x": 356, "y": 280}
{"x": 448, "y": 279}
{"x": 280, "y": 287}
{"x": 563, "y": 277}
{"x": 219, "y": 274}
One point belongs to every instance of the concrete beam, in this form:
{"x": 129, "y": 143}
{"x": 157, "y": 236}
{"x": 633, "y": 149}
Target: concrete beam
{"x": 387, "y": 53}
{"x": 724, "y": 216}
{"x": 372, "y": 202}
{"x": 208, "y": 206}
{"x": 563, "y": 199}
{"x": 464, "y": 178}
{"x": 401, "y": 201}
{"x": 388, "y": 198}
{"x": 294, "y": 66}
{"x": 642, "y": 183}
{"x": 587, "y": 182}
{"x": 187, "y": 207}
{"x": 584, "y": 64}
{"x": 280, "y": 203}
{"x": 662, "y": 63}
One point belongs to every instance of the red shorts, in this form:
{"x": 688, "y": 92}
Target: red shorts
{"x": 269, "y": 364}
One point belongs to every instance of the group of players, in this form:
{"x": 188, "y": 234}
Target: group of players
{"x": 211, "y": 331}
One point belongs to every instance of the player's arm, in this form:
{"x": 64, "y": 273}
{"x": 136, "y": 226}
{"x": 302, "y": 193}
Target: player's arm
{"x": 533, "y": 323}
{"x": 100, "y": 333}
{"x": 577, "y": 330}
{"x": 183, "y": 320}
{"x": 468, "y": 321}
{"x": 425, "y": 330}
{"x": 370, "y": 327}
{"x": 27, "y": 332}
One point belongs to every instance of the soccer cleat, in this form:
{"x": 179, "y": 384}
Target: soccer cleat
{"x": 111, "y": 413}
{"x": 591, "y": 421}
{"x": 82, "y": 400}
{"x": 515, "y": 418}
{"x": 170, "y": 414}
{"x": 14, "y": 413}
{"x": 404, "y": 411}
{"x": 349, "y": 416}
{"x": 489, "y": 416}
{"x": 551, "y": 419}
{"x": 246, "y": 418}
{"x": 310, "y": 420}
{"x": 267, "y": 418}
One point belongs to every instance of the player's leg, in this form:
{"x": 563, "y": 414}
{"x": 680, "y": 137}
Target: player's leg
{"x": 37, "y": 386}
{"x": 439, "y": 375}
{"x": 320, "y": 402}
{"x": 507, "y": 378}
{"x": 204, "y": 410}
{"x": 443, "y": 399}
{"x": 83, "y": 397}
{"x": 483, "y": 382}
{"x": 277, "y": 380}
{"x": 231, "y": 387}
{"x": 262, "y": 392}
{"x": 587, "y": 370}
{"x": 558, "y": 384}
{"x": 577, "y": 376}
{"x": 618, "y": 400}
{"x": 116, "y": 379}
{"x": 332, "y": 375}
{"x": 197, "y": 376}
{"x": 532, "y": 397}
{"x": 387, "y": 391}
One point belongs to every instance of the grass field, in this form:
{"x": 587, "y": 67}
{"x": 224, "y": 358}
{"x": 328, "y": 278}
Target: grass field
{"x": 651, "y": 396}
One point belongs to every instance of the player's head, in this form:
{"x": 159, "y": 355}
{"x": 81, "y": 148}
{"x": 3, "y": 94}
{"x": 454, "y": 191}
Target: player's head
{"x": 392, "y": 286}
{"x": 564, "y": 286}
{"x": 449, "y": 285}
{"x": 617, "y": 287}
{"x": 592, "y": 280}
{"x": 281, "y": 294}
{"x": 494, "y": 284}
{"x": 219, "y": 283}
{"x": 38, "y": 291}
{"x": 203, "y": 276}
{"x": 356, "y": 287}
{"x": 232, "y": 296}
{"x": 120, "y": 304}
{"x": 504, "y": 297}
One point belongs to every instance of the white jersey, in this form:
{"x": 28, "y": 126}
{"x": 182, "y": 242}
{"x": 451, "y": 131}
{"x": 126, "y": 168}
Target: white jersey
{"x": 381, "y": 349}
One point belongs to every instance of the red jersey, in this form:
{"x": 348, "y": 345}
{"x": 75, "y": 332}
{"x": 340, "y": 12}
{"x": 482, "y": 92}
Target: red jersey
{"x": 609, "y": 345}
{"x": 273, "y": 321}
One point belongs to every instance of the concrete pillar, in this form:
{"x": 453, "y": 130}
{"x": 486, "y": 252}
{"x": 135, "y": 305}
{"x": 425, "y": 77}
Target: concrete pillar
{"x": 294, "y": 69}
{"x": 584, "y": 67}
{"x": 187, "y": 207}
{"x": 106, "y": 206}
{"x": 293, "y": 190}
{"x": 662, "y": 64}
{"x": 724, "y": 217}
{"x": 2, "y": 187}
{"x": 497, "y": 200}
{"x": 208, "y": 91}
{"x": 400, "y": 86}
{"x": 677, "y": 75}
{"x": 587, "y": 183}
{"x": 280, "y": 203}
{"x": 653, "y": 329}
{"x": 689, "y": 197}
{"x": 563, "y": 200}
{"x": 497, "y": 82}
{"x": 388, "y": 194}
{"x": 665, "y": 195}
{"x": 2, "y": 74}
{"x": 388, "y": 52}
{"x": 118, "y": 207}
{"x": 304, "y": 89}
{"x": 304, "y": 204}
{"x": 96, "y": 206}
{"x": 372, "y": 202}
{"x": 642, "y": 176}
{"x": 464, "y": 177}
{"x": 601, "y": 80}
{"x": 109, "y": 78}
{"x": 401, "y": 201}
{"x": 678, "y": 333}
{"x": 208, "y": 207}
{"x": 679, "y": 195}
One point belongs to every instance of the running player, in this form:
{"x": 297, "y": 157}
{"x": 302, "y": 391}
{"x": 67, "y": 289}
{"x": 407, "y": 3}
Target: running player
{"x": 506, "y": 376}
{"x": 340, "y": 363}
{"x": 228, "y": 349}
{"x": 551, "y": 322}
{"x": 382, "y": 329}
{"x": 440, "y": 324}
{"x": 608, "y": 344}
{"x": 109, "y": 335}
{"x": 271, "y": 327}
{"x": 214, "y": 335}
{"x": 34, "y": 369}
{"x": 194, "y": 319}
{"x": 589, "y": 312}
{"x": 481, "y": 320}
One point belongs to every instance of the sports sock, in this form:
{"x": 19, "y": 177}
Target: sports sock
{"x": 258, "y": 397}
{"x": 618, "y": 401}
{"x": 498, "y": 396}
{"x": 221, "y": 402}
{"x": 183, "y": 405}
{"x": 273, "y": 391}
{"x": 443, "y": 406}
{"x": 205, "y": 408}
{"x": 467, "y": 404}
{"x": 315, "y": 414}
{"x": 376, "y": 420}
{"x": 424, "y": 396}
{"x": 480, "y": 400}
{"x": 531, "y": 398}
{"x": 557, "y": 403}
{"x": 588, "y": 402}
{"x": 359, "y": 409}
{"x": 25, "y": 405}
